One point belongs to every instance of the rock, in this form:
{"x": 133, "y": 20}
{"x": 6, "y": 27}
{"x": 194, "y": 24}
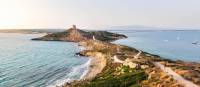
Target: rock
{"x": 80, "y": 54}
{"x": 131, "y": 64}
{"x": 76, "y": 35}
{"x": 196, "y": 80}
{"x": 144, "y": 66}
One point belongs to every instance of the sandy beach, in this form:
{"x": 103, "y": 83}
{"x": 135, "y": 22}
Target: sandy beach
{"x": 98, "y": 63}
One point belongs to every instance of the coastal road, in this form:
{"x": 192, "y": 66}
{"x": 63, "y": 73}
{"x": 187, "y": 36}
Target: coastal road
{"x": 175, "y": 76}
{"x": 137, "y": 55}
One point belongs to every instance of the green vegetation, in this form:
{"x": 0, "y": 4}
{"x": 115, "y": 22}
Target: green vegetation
{"x": 120, "y": 76}
{"x": 114, "y": 74}
{"x": 125, "y": 80}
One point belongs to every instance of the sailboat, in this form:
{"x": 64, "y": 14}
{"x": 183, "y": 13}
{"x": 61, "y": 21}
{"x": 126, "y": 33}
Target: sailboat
{"x": 195, "y": 42}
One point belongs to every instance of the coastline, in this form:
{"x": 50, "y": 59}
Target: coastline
{"x": 101, "y": 54}
{"x": 97, "y": 62}
{"x": 96, "y": 66}
{"x": 115, "y": 65}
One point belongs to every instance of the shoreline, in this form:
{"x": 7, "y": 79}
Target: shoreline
{"x": 133, "y": 68}
{"x": 97, "y": 62}
{"x": 101, "y": 61}
{"x": 96, "y": 66}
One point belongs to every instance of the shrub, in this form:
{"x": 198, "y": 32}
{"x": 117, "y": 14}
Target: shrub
{"x": 125, "y": 80}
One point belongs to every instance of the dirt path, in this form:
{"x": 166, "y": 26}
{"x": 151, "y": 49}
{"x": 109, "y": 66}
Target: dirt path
{"x": 116, "y": 60}
{"x": 137, "y": 55}
{"x": 176, "y": 76}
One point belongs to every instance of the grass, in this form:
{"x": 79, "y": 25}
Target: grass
{"x": 125, "y": 80}
{"x": 108, "y": 79}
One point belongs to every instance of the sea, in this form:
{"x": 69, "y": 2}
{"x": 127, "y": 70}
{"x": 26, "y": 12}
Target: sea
{"x": 175, "y": 44}
{"x": 27, "y": 63}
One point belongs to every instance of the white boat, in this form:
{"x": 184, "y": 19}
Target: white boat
{"x": 195, "y": 42}
{"x": 166, "y": 40}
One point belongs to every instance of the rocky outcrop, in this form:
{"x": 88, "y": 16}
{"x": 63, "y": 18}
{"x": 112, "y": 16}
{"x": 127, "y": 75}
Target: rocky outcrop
{"x": 76, "y": 35}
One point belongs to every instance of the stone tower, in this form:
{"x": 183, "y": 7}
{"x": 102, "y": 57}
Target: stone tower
{"x": 74, "y": 27}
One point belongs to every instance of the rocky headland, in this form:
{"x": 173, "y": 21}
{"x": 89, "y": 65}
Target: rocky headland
{"x": 116, "y": 65}
{"x": 76, "y": 35}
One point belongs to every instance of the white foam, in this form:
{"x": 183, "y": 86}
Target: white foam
{"x": 75, "y": 72}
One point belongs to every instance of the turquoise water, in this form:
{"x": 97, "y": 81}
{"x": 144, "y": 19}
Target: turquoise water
{"x": 176, "y": 45}
{"x": 26, "y": 63}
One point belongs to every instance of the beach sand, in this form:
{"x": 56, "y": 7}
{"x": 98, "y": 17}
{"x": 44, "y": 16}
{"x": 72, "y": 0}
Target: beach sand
{"x": 98, "y": 63}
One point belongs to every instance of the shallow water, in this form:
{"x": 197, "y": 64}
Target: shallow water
{"x": 26, "y": 63}
{"x": 176, "y": 45}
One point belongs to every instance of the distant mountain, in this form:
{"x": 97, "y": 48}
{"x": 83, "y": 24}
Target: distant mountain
{"x": 30, "y": 31}
{"x": 138, "y": 27}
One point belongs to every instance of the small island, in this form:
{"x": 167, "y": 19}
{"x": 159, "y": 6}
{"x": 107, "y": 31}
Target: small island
{"x": 115, "y": 65}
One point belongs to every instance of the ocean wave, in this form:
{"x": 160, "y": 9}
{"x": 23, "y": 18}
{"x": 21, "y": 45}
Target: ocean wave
{"x": 77, "y": 73}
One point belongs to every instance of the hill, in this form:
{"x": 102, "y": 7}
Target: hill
{"x": 76, "y": 35}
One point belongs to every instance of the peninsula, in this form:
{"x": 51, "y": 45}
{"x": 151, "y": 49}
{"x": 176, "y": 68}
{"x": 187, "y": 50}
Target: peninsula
{"x": 76, "y": 35}
{"x": 115, "y": 65}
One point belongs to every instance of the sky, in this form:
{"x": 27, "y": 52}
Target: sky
{"x": 93, "y": 14}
